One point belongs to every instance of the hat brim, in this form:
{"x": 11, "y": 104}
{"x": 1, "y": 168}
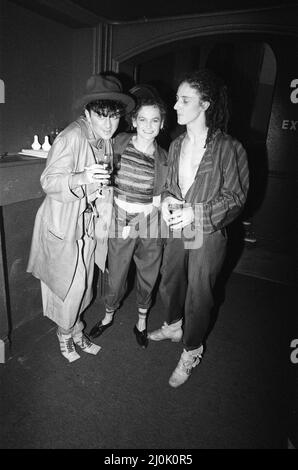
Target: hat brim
{"x": 127, "y": 100}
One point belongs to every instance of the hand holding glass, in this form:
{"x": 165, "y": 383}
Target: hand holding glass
{"x": 107, "y": 162}
{"x": 174, "y": 206}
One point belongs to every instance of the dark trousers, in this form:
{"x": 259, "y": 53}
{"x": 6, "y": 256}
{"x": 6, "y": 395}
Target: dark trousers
{"x": 147, "y": 255}
{"x": 187, "y": 282}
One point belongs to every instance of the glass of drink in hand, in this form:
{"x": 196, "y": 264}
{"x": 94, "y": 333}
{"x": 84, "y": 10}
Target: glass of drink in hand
{"x": 107, "y": 162}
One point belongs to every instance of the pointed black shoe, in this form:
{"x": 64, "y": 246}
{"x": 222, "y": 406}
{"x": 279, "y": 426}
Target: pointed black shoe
{"x": 99, "y": 328}
{"x": 141, "y": 337}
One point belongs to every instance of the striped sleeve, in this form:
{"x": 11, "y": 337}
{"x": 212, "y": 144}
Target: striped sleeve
{"x": 229, "y": 201}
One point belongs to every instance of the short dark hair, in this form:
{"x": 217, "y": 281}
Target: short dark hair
{"x": 106, "y": 107}
{"x": 212, "y": 89}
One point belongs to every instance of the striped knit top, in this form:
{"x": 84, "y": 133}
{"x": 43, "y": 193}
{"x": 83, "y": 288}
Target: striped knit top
{"x": 135, "y": 176}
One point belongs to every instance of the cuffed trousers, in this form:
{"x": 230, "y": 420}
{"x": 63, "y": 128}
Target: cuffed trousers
{"x": 187, "y": 282}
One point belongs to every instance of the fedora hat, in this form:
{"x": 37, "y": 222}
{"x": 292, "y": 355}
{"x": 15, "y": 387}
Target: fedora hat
{"x": 105, "y": 87}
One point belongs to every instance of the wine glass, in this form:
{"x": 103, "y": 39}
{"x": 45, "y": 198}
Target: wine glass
{"x": 106, "y": 161}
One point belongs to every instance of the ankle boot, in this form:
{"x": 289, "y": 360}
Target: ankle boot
{"x": 173, "y": 332}
{"x": 67, "y": 347}
{"x": 85, "y": 344}
{"x": 188, "y": 360}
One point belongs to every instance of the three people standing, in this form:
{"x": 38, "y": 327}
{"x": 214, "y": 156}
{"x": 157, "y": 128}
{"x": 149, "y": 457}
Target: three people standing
{"x": 203, "y": 186}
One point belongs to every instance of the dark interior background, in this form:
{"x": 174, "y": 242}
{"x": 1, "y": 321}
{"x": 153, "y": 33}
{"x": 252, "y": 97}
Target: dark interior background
{"x": 46, "y": 53}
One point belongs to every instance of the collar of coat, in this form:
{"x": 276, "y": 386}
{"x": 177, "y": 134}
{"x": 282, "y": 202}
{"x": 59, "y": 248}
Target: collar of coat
{"x": 89, "y": 134}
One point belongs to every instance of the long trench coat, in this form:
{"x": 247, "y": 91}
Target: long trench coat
{"x": 59, "y": 222}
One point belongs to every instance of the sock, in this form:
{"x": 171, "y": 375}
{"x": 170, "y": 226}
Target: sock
{"x": 142, "y": 320}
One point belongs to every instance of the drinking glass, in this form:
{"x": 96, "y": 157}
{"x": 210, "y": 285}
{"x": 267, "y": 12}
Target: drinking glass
{"x": 107, "y": 162}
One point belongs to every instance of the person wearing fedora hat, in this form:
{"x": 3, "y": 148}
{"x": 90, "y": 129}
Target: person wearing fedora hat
{"x": 142, "y": 170}
{"x": 105, "y": 87}
{"x": 71, "y": 226}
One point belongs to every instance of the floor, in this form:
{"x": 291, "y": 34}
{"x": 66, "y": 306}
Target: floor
{"x": 257, "y": 261}
{"x": 242, "y": 395}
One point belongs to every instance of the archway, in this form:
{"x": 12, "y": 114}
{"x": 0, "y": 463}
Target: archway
{"x": 247, "y": 65}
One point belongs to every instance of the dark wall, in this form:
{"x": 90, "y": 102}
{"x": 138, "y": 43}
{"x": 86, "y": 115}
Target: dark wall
{"x": 24, "y": 289}
{"x": 275, "y": 218}
{"x": 36, "y": 67}
{"x": 1, "y": 77}
{"x": 42, "y": 64}
{"x": 45, "y": 66}
{"x": 282, "y": 136}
